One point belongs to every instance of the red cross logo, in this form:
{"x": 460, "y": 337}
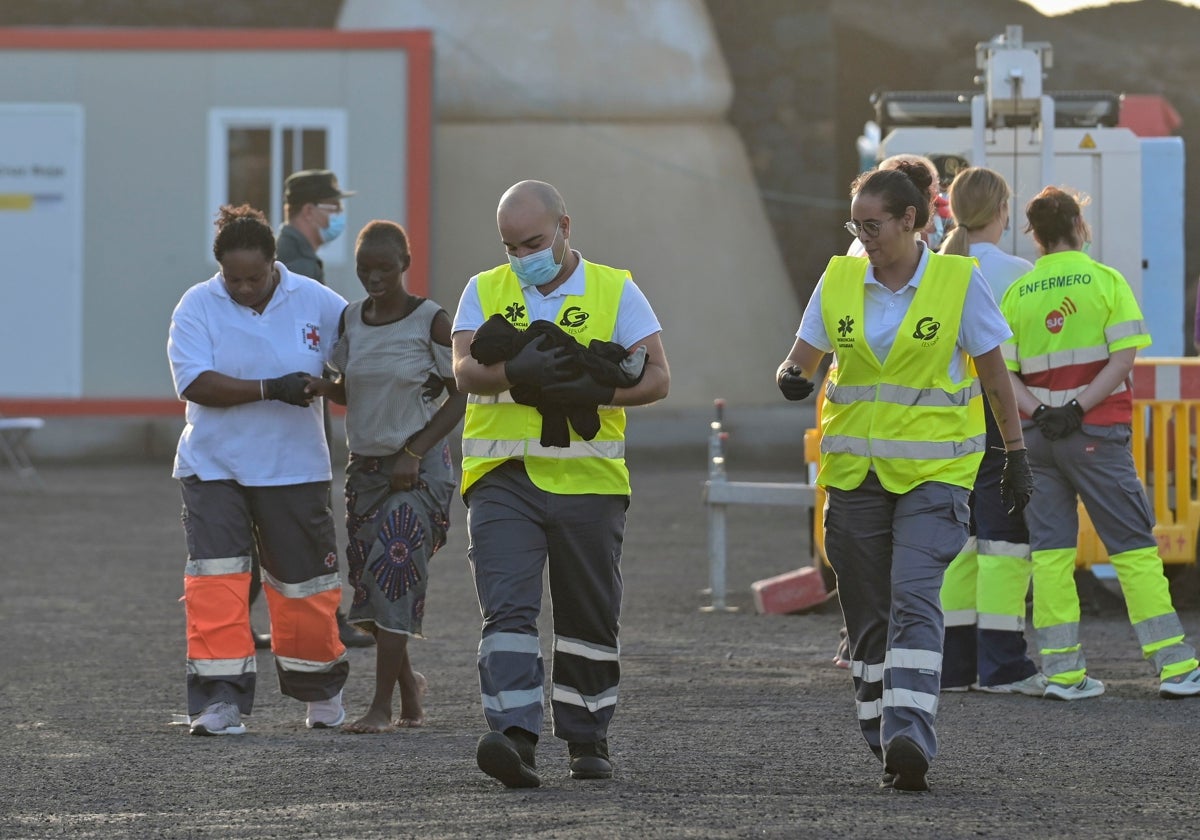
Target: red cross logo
{"x": 312, "y": 337}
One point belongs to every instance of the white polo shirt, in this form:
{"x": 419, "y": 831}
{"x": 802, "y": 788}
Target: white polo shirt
{"x": 635, "y": 318}
{"x": 266, "y": 443}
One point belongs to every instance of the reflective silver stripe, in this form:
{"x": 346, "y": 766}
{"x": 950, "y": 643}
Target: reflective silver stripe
{"x": 994, "y": 621}
{"x": 1171, "y": 655}
{"x": 869, "y": 709}
{"x": 865, "y": 672}
{"x": 509, "y": 643}
{"x": 1003, "y": 548}
{"x": 1125, "y": 329}
{"x": 308, "y": 666}
{"x": 846, "y": 394}
{"x": 222, "y": 667}
{"x": 916, "y": 450}
{"x": 477, "y": 448}
{"x": 588, "y": 650}
{"x": 1059, "y": 636}
{"x": 1064, "y": 358}
{"x": 1058, "y": 398}
{"x": 505, "y": 397}
{"x": 959, "y": 618}
{"x": 592, "y": 703}
{"x": 1063, "y": 663}
{"x": 902, "y": 395}
{"x": 1009, "y": 351}
{"x": 304, "y": 589}
{"x": 512, "y": 699}
{"x": 490, "y": 399}
{"x": 1158, "y": 629}
{"x": 929, "y": 397}
{"x": 971, "y": 546}
{"x": 906, "y": 698}
{"x": 913, "y": 659}
{"x": 217, "y": 566}
{"x": 925, "y": 450}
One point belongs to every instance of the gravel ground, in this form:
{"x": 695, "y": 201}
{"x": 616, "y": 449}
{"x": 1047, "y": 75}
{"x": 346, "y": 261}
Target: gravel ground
{"x": 730, "y": 724}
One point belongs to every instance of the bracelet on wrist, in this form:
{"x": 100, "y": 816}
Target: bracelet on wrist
{"x": 408, "y": 451}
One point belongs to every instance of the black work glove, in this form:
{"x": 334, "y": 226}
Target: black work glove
{"x": 793, "y": 384}
{"x": 1059, "y": 422}
{"x": 533, "y": 365}
{"x": 1016, "y": 484}
{"x": 433, "y": 387}
{"x": 582, "y": 390}
{"x": 289, "y": 389}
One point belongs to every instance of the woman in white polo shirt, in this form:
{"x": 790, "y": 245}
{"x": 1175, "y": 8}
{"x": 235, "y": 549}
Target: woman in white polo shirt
{"x": 244, "y": 346}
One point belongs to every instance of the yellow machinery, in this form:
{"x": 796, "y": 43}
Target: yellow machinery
{"x": 1166, "y": 426}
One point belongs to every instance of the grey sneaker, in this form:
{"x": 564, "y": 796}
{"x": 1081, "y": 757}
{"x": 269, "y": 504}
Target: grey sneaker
{"x": 219, "y": 719}
{"x": 1032, "y": 686}
{"x": 326, "y": 714}
{"x": 1085, "y": 688}
{"x": 1185, "y": 685}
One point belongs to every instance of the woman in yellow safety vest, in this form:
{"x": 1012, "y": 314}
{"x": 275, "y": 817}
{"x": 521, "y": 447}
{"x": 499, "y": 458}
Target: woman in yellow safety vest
{"x": 902, "y": 438}
{"x": 984, "y": 591}
{"x": 1076, "y": 330}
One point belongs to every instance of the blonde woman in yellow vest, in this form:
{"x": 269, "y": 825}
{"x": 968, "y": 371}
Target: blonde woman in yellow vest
{"x": 533, "y": 507}
{"x": 902, "y": 437}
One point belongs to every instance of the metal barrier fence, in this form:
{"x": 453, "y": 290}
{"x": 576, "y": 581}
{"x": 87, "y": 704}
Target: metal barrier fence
{"x": 1165, "y": 431}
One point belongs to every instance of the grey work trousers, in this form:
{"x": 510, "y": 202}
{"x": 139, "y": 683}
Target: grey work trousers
{"x": 516, "y": 529}
{"x": 890, "y": 552}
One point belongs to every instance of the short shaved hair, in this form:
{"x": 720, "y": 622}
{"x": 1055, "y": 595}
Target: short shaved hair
{"x": 544, "y": 193}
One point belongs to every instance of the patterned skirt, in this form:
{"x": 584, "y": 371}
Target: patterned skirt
{"x": 392, "y": 535}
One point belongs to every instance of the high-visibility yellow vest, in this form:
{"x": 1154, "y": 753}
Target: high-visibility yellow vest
{"x": 903, "y": 418}
{"x": 496, "y": 429}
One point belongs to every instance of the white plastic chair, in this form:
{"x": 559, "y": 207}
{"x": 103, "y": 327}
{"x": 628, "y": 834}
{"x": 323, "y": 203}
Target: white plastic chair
{"x": 13, "y": 433}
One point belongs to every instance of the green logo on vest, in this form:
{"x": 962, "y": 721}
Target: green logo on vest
{"x": 515, "y": 312}
{"x": 845, "y": 326}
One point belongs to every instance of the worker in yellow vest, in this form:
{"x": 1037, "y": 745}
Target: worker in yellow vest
{"x": 1076, "y": 331}
{"x": 985, "y": 589}
{"x": 531, "y": 505}
{"x": 902, "y": 436}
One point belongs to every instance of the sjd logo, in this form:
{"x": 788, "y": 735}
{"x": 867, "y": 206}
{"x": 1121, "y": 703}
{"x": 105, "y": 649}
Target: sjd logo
{"x": 927, "y": 329}
{"x": 572, "y": 316}
{"x": 1057, "y": 318}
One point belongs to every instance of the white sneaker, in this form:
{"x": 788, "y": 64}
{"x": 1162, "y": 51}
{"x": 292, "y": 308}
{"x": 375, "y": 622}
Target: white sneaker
{"x": 1033, "y": 686}
{"x": 219, "y": 719}
{"x": 1185, "y": 685}
{"x": 1085, "y": 688}
{"x": 326, "y": 714}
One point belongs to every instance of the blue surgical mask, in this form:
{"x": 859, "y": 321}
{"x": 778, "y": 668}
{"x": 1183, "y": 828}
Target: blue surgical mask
{"x": 538, "y": 268}
{"x": 337, "y": 224}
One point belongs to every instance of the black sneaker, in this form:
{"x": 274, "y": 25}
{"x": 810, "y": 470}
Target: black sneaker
{"x": 350, "y": 635}
{"x": 907, "y": 765}
{"x": 509, "y": 757}
{"x": 590, "y": 760}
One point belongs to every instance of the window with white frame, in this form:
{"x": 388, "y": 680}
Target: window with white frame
{"x": 252, "y": 150}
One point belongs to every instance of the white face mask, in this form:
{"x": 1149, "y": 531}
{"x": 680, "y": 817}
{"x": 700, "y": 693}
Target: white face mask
{"x": 540, "y": 267}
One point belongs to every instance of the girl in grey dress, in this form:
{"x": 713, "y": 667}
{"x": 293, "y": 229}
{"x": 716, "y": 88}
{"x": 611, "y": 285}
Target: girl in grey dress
{"x": 392, "y": 348}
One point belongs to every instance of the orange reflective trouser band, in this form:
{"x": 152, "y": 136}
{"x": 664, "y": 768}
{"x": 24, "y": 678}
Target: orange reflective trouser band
{"x": 298, "y": 551}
